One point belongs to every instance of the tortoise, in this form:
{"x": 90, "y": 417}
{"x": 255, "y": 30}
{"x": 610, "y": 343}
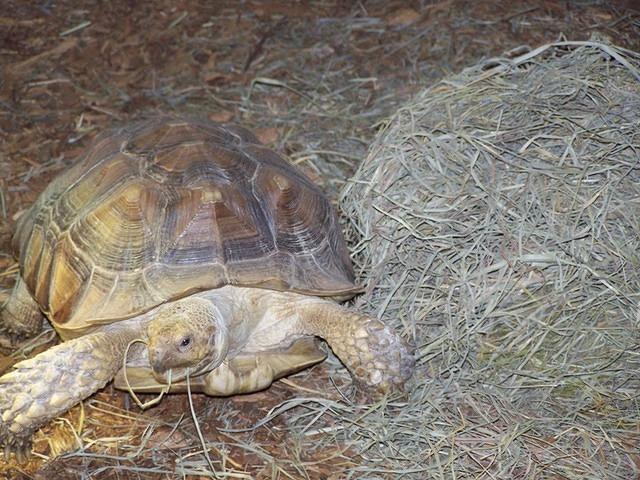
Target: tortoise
{"x": 182, "y": 247}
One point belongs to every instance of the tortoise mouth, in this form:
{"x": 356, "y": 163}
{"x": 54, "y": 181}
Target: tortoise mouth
{"x": 172, "y": 375}
{"x": 167, "y": 376}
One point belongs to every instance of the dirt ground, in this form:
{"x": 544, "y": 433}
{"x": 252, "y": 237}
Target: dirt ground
{"x": 311, "y": 78}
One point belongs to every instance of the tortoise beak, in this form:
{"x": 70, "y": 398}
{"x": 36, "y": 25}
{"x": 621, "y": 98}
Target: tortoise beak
{"x": 158, "y": 367}
{"x": 157, "y": 361}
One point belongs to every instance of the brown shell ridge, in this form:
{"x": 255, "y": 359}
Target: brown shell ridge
{"x": 314, "y": 259}
{"x": 96, "y": 311}
{"x": 35, "y": 266}
{"x": 269, "y": 220}
{"x": 83, "y": 168}
{"x": 107, "y": 299}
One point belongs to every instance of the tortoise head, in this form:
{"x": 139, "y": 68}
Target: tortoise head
{"x": 186, "y": 334}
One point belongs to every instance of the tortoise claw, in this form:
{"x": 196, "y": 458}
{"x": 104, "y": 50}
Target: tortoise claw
{"x": 23, "y": 454}
{"x": 19, "y": 445}
{"x": 393, "y": 363}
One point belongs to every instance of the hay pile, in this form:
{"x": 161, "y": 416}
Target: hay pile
{"x": 496, "y": 222}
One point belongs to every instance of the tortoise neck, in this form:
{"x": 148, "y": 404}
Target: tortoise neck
{"x": 234, "y": 314}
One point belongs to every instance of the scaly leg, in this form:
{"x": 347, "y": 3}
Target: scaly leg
{"x": 40, "y": 388}
{"x": 378, "y": 359}
{"x": 20, "y": 317}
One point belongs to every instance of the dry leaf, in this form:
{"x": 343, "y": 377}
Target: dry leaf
{"x": 402, "y": 17}
{"x": 267, "y": 135}
{"x": 221, "y": 116}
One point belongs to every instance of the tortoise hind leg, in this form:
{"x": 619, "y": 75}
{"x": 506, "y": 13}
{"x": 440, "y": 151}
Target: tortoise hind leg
{"x": 20, "y": 317}
{"x": 42, "y": 387}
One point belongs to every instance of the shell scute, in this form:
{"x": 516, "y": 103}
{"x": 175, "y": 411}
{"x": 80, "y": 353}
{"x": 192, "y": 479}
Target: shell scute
{"x": 151, "y": 136}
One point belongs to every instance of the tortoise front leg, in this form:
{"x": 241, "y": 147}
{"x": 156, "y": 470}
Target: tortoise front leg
{"x": 40, "y": 388}
{"x": 20, "y": 317}
{"x": 379, "y": 360}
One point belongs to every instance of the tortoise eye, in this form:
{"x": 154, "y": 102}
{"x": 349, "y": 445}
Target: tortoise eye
{"x": 185, "y": 342}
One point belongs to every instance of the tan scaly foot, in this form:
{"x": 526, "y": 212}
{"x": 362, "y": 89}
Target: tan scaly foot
{"x": 40, "y": 388}
{"x": 379, "y": 360}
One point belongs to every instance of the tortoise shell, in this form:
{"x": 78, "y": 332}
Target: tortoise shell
{"x": 168, "y": 207}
